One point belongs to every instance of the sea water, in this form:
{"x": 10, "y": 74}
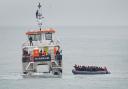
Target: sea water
{"x": 100, "y": 46}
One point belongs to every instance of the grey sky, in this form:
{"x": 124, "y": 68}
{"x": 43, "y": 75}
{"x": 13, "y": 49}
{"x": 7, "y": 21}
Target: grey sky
{"x": 65, "y": 12}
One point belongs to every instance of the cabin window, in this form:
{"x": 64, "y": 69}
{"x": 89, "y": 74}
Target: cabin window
{"x": 36, "y": 37}
{"x": 48, "y": 36}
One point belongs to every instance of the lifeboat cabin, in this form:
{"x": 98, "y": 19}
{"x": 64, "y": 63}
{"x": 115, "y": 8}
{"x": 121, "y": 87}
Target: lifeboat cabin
{"x": 42, "y": 48}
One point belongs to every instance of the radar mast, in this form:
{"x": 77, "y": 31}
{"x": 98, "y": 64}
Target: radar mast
{"x": 39, "y": 16}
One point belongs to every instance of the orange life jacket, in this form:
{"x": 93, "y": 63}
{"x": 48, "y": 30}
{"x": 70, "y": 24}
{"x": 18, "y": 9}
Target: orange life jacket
{"x": 36, "y": 53}
{"x": 55, "y": 51}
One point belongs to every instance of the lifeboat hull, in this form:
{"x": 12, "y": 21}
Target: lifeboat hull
{"x": 41, "y": 75}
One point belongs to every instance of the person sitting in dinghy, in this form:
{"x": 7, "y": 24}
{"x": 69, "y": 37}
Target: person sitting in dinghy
{"x": 88, "y": 68}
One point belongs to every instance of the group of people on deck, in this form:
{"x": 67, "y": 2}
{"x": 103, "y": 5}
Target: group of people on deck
{"x": 89, "y": 68}
{"x": 43, "y": 53}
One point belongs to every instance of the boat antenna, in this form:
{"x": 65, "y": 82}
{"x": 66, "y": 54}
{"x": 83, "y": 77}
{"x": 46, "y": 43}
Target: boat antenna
{"x": 39, "y": 16}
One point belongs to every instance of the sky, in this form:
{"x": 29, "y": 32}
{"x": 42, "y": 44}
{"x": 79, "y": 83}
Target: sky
{"x": 65, "y": 12}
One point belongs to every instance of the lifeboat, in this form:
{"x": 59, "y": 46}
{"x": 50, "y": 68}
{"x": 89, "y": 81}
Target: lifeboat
{"x": 39, "y": 50}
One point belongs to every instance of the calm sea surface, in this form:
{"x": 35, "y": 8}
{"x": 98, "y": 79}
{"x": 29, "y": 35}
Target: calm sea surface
{"x": 101, "y": 46}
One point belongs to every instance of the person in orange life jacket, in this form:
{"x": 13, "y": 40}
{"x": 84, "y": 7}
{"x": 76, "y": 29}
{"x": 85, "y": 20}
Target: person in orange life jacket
{"x": 44, "y": 53}
{"x": 57, "y": 52}
{"x": 40, "y": 54}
